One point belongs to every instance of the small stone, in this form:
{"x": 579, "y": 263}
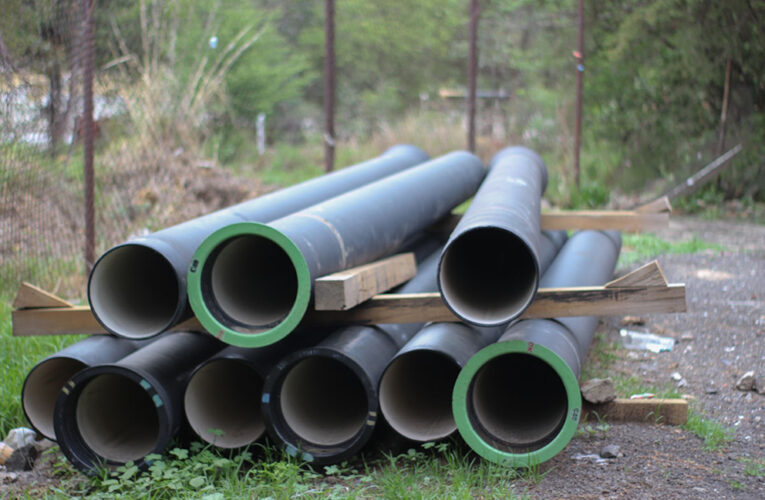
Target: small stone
{"x": 632, "y": 320}
{"x": 22, "y": 459}
{"x": 44, "y": 444}
{"x": 676, "y": 377}
{"x": 686, "y": 337}
{"x": 610, "y": 451}
{"x": 19, "y": 437}
{"x": 599, "y": 390}
{"x": 759, "y": 385}
{"x": 8, "y": 477}
{"x": 711, "y": 390}
{"x": 746, "y": 382}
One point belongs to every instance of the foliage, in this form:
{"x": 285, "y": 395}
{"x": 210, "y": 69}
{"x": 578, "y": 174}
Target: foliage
{"x": 637, "y": 247}
{"x": 714, "y": 434}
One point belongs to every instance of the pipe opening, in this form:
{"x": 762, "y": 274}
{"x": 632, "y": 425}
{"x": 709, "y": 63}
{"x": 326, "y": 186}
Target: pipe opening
{"x": 517, "y": 402}
{"x": 488, "y": 276}
{"x": 41, "y": 390}
{"x": 117, "y": 418}
{"x": 222, "y": 403}
{"x": 416, "y": 395}
{"x": 253, "y": 281}
{"x": 323, "y": 401}
{"x": 134, "y": 291}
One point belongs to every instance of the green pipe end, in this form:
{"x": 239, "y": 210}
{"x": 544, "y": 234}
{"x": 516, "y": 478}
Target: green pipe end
{"x": 279, "y": 248}
{"x": 462, "y": 393}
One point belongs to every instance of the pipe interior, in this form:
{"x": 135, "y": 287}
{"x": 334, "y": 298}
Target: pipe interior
{"x": 41, "y": 390}
{"x": 518, "y": 401}
{"x": 117, "y": 418}
{"x": 323, "y": 401}
{"x": 134, "y": 291}
{"x": 222, "y": 403}
{"x": 488, "y": 276}
{"x": 416, "y": 395}
{"x": 253, "y": 281}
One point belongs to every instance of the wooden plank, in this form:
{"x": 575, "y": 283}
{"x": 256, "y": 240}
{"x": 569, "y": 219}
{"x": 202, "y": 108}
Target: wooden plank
{"x": 346, "y": 289}
{"x": 657, "y": 206}
{"x": 73, "y": 320}
{"x": 659, "y": 411}
{"x": 648, "y": 275}
{"x": 549, "y": 303}
{"x": 32, "y": 296}
{"x": 629, "y": 221}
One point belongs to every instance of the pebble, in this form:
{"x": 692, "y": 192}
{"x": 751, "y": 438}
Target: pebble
{"x": 8, "y": 477}
{"x": 599, "y": 390}
{"x": 746, "y": 382}
{"x": 22, "y": 459}
{"x": 759, "y": 385}
{"x": 610, "y": 451}
{"x": 20, "y": 437}
{"x": 676, "y": 376}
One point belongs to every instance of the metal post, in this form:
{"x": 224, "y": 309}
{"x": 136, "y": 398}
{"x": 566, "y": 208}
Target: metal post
{"x": 579, "y": 84}
{"x": 472, "y": 71}
{"x": 88, "y": 133}
{"x": 329, "y": 86}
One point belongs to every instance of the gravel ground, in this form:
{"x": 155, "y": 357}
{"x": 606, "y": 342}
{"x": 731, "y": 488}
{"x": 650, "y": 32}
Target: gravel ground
{"x": 720, "y": 337}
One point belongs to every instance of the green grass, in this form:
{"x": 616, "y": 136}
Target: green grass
{"x": 754, "y": 467}
{"x": 639, "y": 247}
{"x": 430, "y": 471}
{"x": 715, "y": 435}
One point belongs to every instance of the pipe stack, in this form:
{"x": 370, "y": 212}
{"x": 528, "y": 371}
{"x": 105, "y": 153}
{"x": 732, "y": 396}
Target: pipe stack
{"x": 249, "y": 272}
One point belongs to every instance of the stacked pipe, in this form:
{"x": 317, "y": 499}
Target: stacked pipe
{"x": 249, "y": 271}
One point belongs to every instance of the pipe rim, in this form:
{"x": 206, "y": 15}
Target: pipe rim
{"x": 465, "y": 311}
{"x": 295, "y": 445}
{"x": 214, "y": 325}
{"x": 472, "y": 437}
{"x": 71, "y": 440}
{"x": 232, "y": 364}
{"x": 136, "y": 335}
{"x": 46, "y": 428}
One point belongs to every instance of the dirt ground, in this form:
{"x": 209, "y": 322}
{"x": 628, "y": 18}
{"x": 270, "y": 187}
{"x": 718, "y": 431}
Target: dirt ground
{"x": 720, "y": 337}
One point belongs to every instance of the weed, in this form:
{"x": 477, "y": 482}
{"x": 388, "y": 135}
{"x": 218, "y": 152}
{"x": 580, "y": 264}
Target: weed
{"x": 753, "y": 467}
{"x": 638, "y": 247}
{"x": 714, "y": 434}
{"x": 736, "y": 485}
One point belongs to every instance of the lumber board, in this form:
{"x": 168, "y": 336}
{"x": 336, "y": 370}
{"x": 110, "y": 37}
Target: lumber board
{"x": 657, "y": 206}
{"x": 648, "y": 275}
{"x": 402, "y": 308}
{"x": 346, "y": 289}
{"x": 73, "y": 320}
{"x": 622, "y": 220}
{"x": 659, "y": 411}
{"x": 32, "y": 296}
{"x": 549, "y": 303}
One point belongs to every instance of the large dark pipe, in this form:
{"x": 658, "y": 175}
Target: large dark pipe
{"x": 416, "y": 386}
{"x": 46, "y": 378}
{"x": 138, "y": 289}
{"x": 517, "y": 401}
{"x": 251, "y": 284}
{"x": 489, "y": 271}
{"x": 120, "y": 412}
{"x": 322, "y": 401}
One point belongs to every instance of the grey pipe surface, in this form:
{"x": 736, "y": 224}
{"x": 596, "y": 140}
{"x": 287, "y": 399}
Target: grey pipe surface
{"x": 323, "y": 401}
{"x": 517, "y": 401}
{"x": 123, "y": 411}
{"x": 489, "y": 271}
{"x": 138, "y": 289}
{"x": 46, "y": 378}
{"x": 416, "y": 386}
{"x": 253, "y": 282}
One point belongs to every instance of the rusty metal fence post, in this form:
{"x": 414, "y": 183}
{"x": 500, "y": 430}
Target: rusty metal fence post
{"x": 472, "y": 73}
{"x": 329, "y": 86}
{"x": 88, "y": 132}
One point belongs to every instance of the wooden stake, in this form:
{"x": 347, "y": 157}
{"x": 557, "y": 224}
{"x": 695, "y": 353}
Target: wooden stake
{"x": 32, "y": 296}
{"x": 655, "y": 411}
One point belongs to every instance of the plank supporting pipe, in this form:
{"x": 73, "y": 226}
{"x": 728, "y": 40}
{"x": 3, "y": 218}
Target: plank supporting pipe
{"x": 138, "y": 289}
{"x": 250, "y": 284}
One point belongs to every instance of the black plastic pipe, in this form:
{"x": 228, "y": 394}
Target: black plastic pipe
{"x": 416, "y": 386}
{"x": 517, "y": 401}
{"x": 322, "y": 402}
{"x": 46, "y": 378}
{"x": 489, "y": 271}
{"x": 120, "y": 412}
{"x": 250, "y": 284}
{"x": 138, "y": 289}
